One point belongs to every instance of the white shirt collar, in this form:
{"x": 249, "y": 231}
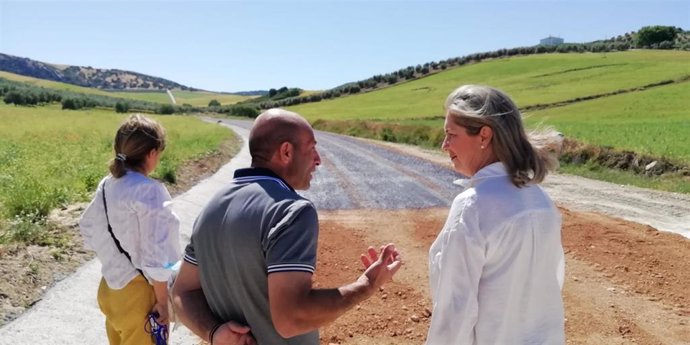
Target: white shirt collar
{"x": 496, "y": 169}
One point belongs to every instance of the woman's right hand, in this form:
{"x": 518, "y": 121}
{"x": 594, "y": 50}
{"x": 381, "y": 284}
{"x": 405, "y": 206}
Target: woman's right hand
{"x": 232, "y": 333}
{"x": 161, "y": 309}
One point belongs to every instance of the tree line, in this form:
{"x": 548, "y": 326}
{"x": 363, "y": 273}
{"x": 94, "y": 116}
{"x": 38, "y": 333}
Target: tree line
{"x": 22, "y": 94}
{"x": 650, "y": 37}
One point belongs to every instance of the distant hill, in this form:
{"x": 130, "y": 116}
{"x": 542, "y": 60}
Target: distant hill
{"x": 106, "y": 79}
{"x": 251, "y": 93}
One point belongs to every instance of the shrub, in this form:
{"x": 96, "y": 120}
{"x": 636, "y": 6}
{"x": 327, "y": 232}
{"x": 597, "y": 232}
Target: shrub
{"x": 166, "y": 109}
{"x": 387, "y": 135}
{"x": 121, "y": 107}
{"x": 651, "y": 35}
{"x": 240, "y": 110}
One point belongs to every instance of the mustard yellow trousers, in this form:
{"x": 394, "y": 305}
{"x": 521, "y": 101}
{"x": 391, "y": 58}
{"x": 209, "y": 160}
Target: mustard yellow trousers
{"x": 126, "y": 311}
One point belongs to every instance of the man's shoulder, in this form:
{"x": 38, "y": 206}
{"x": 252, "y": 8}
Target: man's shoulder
{"x": 272, "y": 192}
{"x": 293, "y": 210}
{"x": 262, "y": 197}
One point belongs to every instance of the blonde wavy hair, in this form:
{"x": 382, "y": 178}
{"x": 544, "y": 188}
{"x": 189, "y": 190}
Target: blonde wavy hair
{"x": 528, "y": 157}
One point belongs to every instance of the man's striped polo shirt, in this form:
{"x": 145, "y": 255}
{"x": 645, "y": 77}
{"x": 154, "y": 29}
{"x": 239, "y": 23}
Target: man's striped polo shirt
{"x": 255, "y": 226}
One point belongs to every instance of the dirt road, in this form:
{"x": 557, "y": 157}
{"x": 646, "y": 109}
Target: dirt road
{"x": 625, "y": 282}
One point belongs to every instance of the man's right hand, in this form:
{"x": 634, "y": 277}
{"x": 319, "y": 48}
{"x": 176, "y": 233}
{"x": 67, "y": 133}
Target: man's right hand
{"x": 232, "y": 333}
{"x": 380, "y": 268}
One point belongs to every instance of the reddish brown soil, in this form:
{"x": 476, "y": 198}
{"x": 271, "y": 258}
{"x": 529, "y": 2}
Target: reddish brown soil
{"x": 625, "y": 283}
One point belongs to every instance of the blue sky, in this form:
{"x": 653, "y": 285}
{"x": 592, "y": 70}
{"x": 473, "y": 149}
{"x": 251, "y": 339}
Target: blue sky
{"x": 252, "y": 45}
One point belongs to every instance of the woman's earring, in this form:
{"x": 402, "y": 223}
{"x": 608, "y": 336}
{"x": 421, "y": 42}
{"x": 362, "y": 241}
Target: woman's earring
{"x": 482, "y": 147}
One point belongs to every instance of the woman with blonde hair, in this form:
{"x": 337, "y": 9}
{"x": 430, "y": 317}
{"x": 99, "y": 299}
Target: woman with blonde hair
{"x": 131, "y": 227}
{"x": 496, "y": 268}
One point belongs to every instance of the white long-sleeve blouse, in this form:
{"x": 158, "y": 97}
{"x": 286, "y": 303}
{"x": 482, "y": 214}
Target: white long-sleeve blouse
{"x": 141, "y": 216}
{"x": 496, "y": 269}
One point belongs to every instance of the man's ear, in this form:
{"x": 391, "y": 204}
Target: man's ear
{"x": 285, "y": 152}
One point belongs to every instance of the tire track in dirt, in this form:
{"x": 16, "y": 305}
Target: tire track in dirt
{"x": 600, "y": 310}
{"x": 625, "y": 282}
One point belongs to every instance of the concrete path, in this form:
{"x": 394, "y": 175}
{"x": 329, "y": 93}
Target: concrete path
{"x": 68, "y": 313}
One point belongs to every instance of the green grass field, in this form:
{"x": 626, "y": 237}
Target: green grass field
{"x": 195, "y": 98}
{"x": 50, "y": 157}
{"x": 534, "y": 79}
{"x": 655, "y": 121}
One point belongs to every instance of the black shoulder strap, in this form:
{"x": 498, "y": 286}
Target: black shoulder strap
{"x": 110, "y": 230}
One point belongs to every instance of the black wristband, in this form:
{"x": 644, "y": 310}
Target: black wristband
{"x": 213, "y": 331}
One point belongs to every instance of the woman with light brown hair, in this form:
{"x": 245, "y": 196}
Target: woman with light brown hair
{"x": 496, "y": 268}
{"x": 131, "y": 227}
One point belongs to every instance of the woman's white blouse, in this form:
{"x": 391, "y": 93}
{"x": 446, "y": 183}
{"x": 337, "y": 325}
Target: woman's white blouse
{"x": 496, "y": 269}
{"x": 141, "y": 216}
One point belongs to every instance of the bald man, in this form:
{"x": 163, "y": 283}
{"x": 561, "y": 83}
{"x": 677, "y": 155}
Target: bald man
{"x": 247, "y": 272}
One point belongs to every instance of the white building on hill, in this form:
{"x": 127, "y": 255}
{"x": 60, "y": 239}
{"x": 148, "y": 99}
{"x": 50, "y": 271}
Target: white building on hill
{"x": 551, "y": 41}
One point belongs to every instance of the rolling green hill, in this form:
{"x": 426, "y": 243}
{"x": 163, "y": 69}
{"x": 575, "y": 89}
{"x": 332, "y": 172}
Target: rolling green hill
{"x": 530, "y": 80}
{"x": 624, "y": 104}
